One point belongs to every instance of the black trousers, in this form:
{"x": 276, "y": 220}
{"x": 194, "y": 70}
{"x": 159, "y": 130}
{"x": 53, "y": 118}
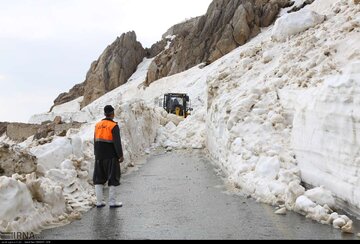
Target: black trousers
{"x": 107, "y": 170}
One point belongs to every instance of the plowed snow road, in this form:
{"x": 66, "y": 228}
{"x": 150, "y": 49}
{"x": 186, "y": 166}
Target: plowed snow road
{"x": 179, "y": 195}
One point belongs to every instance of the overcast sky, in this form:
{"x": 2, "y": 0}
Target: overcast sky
{"x": 47, "y": 46}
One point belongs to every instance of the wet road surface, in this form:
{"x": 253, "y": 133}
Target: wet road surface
{"x": 179, "y": 195}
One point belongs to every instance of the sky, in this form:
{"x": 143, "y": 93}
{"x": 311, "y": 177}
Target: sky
{"x": 47, "y": 46}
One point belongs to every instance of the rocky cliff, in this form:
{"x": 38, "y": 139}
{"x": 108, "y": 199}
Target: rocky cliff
{"x": 178, "y": 29}
{"x": 113, "y": 68}
{"x": 226, "y": 25}
{"x": 75, "y": 92}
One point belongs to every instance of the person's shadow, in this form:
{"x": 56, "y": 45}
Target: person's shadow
{"x": 106, "y": 225}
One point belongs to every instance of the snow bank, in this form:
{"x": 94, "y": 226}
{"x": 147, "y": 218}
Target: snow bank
{"x": 69, "y": 112}
{"x": 138, "y": 125}
{"x": 251, "y": 110}
{"x": 67, "y": 117}
{"x": 189, "y": 134}
{"x": 16, "y": 199}
{"x": 51, "y": 155}
{"x": 295, "y": 23}
{"x": 326, "y": 135}
{"x": 61, "y": 189}
{"x": 248, "y": 134}
{"x": 69, "y": 107}
{"x": 18, "y": 210}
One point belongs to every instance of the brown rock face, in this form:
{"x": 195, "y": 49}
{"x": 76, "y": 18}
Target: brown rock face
{"x": 15, "y": 160}
{"x": 19, "y": 132}
{"x": 3, "y": 126}
{"x": 226, "y": 25}
{"x": 178, "y": 29}
{"x": 156, "y": 48}
{"x": 297, "y": 8}
{"x": 181, "y": 28}
{"x": 113, "y": 68}
{"x": 75, "y": 92}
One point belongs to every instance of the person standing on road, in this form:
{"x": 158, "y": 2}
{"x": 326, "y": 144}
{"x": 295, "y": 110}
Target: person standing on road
{"x": 108, "y": 157}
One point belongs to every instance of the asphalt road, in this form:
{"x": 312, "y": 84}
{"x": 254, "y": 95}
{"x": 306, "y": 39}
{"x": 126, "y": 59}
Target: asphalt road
{"x": 180, "y": 196}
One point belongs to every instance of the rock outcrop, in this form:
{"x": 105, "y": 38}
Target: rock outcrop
{"x": 297, "y": 8}
{"x": 113, "y": 68}
{"x": 226, "y": 25}
{"x": 178, "y": 29}
{"x": 156, "y": 48}
{"x": 75, "y": 92}
{"x": 19, "y": 132}
{"x": 15, "y": 160}
{"x": 55, "y": 129}
{"x": 3, "y": 126}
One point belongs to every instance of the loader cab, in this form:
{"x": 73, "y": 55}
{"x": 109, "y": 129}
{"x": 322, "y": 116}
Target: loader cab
{"x": 177, "y": 103}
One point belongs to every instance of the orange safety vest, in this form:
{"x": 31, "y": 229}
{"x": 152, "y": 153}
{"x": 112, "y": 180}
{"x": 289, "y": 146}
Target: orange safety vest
{"x": 103, "y": 131}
